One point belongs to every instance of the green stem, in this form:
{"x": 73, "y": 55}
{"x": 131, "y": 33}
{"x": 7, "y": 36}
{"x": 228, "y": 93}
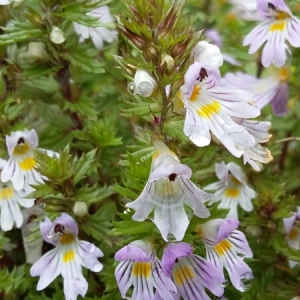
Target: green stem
{"x": 163, "y": 115}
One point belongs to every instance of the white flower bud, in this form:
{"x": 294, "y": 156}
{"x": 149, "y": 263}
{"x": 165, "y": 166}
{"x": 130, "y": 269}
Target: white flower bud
{"x": 207, "y": 53}
{"x": 166, "y": 58}
{"x": 57, "y": 36}
{"x": 80, "y": 209}
{"x": 37, "y": 51}
{"x": 296, "y": 298}
{"x": 143, "y": 84}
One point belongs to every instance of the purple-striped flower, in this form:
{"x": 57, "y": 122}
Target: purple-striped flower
{"x": 210, "y": 107}
{"x": 232, "y": 189}
{"x": 279, "y": 25}
{"x": 10, "y": 199}
{"x": 191, "y": 273}
{"x": 167, "y": 190}
{"x": 20, "y": 169}
{"x": 66, "y": 258}
{"x": 226, "y": 247}
{"x": 273, "y": 89}
{"x": 140, "y": 268}
{"x": 292, "y": 230}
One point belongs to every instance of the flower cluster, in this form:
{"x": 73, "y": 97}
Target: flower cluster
{"x": 182, "y": 273}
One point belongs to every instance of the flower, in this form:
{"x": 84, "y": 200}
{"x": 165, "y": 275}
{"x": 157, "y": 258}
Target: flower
{"x": 292, "y": 229}
{"x": 140, "y": 268}
{"x": 6, "y": 2}
{"x": 33, "y": 249}
{"x": 215, "y": 38}
{"x": 167, "y": 190}
{"x": 223, "y": 243}
{"x": 143, "y": 84}
{"x": 208, "y": 54}
{"x": 20, "y": 168}
{"x": 66, "y": 258}
{"x": 10, "y": 199}
{"x": 260, "y": 132}
{"x": 245, "y": 9}
{"x": 191, "y": 273}
{"x": 232, "y": 189}
{"x": 210, "y": 108}
{"x": 279, "y": 25}
{"x": 97, "y": 34}
{"x": 273, "y": 89}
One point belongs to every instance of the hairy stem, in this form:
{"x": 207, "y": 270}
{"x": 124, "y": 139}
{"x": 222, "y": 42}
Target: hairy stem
{"x": 63, "y": 78}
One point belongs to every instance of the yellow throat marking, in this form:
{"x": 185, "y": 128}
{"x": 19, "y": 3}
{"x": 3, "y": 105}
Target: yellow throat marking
{"x": 207, "y": 110}
{"x": 141, "y": 269}
{"x": 183, "y": 274}
{"x": 68, "y": 256}
{"x": 222, "y": 247}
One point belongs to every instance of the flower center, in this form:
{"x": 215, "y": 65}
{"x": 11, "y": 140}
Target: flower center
{"x": 182, "y": 274}
{"x": 27, "y": 164}
{"x": 278, "y": 26}
{"x": 222, "y": 247}
{"x": 293, "y": 233}
{"x": 6, "y": 193}
{"x": 141, "y": 269}
{"x": 195, "y": 93}
{"x": 21, "y": 148}
{"x": 207, "y": 110}
{"x": 283, "y": 74}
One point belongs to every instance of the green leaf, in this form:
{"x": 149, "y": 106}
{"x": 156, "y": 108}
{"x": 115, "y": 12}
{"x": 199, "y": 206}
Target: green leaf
{"x": 83, "y": 165}
{"x": 175, "y": 130}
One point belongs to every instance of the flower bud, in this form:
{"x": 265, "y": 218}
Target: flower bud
{"x": 37, "y": 51}
{"x": 80, "y": 209}
{"x": 207, "y": 53}
{"x": 143, "y": 84}
{"x": 169, "y": 61}
{"x": 57, "y": 36}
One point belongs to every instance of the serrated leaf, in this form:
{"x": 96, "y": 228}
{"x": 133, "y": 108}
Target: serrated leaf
{"x": 175, "y": 130}
{"x": 131, "y": 227}
{"x": 83, "y": 165}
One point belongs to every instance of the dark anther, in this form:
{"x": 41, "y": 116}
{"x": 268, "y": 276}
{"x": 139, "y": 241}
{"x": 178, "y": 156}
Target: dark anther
{"x": 59, "y": 229}
{"x": 21, "y": 140}
{"x": 4, "y": 186}
{"x": 271, "y": 6}
{"x": 176, "y": 260}
{"x": 172, "y": 177}
{"x": 203, "y": 74}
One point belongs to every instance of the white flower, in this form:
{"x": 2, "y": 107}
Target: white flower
{"x": 167, "y": 190}
{"x": 227, "y": 247}
{"x": 208, "y": 54}
{"x": 10, "y": 200}
{"x": 20, "y": 168}
{"x": 57, "y": 36}
{"x": 292, "y": 230}
{"x": 232, "y": 189}
{"x": 98, "y": 34}
{"x": 66, "y": 258}
{"x": 143, "y": 84}
{"x": 210, "y": 107}
{"x": 245, "y": 9}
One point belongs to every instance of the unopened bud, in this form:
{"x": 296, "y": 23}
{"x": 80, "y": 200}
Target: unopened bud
{"x": 57, "y": 36}
{"x": 143, "y": 84}
{"x": 37, "y": 51}
{"x": 179, "y": 49}
{"x": 255, "y": 231}
{"x": 169, "y": 61}
{"x": 80, "y": 209}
